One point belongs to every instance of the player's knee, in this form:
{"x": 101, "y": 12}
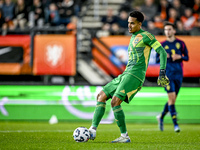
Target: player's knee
{"x": 101, "y": 97}
{"x": 115, "y": 101}
{"x": 171, "y": 101}
{"x": 172, "y": 98}
{"x": 98, "y": 96}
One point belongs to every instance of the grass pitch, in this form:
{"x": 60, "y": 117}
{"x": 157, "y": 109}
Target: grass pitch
{"x": 41, "y": 135}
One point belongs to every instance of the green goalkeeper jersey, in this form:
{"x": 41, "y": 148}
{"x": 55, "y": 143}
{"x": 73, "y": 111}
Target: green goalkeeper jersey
{"x": 139, "y": 51}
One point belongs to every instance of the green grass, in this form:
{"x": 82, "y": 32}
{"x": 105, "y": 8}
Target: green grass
{"x": 41, "y": 135}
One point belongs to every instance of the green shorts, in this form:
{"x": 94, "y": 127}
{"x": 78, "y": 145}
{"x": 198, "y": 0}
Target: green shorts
{"x": 125, "y": 86}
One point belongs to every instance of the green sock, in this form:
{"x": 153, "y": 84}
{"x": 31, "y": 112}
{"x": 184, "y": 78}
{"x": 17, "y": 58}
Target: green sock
{"x": 98, "y": 113}
{"x": 120, "y": 118}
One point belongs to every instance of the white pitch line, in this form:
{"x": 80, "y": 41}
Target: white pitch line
{"x": 32, "y": 131}
{"x": 19, "y": 131}
{"x": 109, "y": 130}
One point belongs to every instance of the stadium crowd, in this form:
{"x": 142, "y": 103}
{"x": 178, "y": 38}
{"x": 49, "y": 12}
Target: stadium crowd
{"x": 22, "y": 14}
{"x": 25, "y": 14}
{"x": 184, "y": 14}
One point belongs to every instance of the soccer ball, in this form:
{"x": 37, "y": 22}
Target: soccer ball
{"x": 81, "y": 134}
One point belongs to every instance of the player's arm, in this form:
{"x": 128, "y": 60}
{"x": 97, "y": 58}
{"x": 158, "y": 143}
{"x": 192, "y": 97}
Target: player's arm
{"x": 162, "y": 54}
{"x": 185, "y": 56}
{"x": 162, "y": 79}
{"x": 152, "y": 42}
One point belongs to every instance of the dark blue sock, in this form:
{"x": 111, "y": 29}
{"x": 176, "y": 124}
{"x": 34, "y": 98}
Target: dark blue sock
{"x": 165, "y": 111}
{"x": 172, "y": 111}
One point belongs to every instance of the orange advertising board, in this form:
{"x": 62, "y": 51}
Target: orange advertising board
{"x": 191, "y": 68}
{"x": 54, "y": 55}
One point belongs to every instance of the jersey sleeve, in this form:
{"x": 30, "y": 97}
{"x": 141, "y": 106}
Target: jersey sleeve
{"x": 150, "y": 40}
{"x": 185, "y": 56}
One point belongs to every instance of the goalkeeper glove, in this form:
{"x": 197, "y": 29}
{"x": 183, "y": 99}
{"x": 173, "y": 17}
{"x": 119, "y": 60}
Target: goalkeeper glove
{"x": 162, "y": 79}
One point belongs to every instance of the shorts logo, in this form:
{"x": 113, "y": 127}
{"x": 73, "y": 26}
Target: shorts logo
{"x": 168, "y": 87}
{"x": 122, "y": 91}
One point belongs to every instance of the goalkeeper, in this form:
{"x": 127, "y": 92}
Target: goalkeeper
{"x": 125, "y": 86}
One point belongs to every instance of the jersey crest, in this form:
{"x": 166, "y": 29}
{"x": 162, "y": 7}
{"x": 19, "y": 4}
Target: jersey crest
{"x": 166, "y": 47}
{"x": 137, "y": 39}
{"x": 178, "y": 45}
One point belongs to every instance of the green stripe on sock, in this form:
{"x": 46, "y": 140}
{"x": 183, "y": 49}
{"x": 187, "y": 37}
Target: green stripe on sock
{"x": 101, "y": 105}
{"x": 120, "y": 118}
{"x": 98, "y": 113}
{"x": 116, "y": 110}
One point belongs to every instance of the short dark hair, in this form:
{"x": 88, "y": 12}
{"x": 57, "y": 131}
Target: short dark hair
{"x": 166, "y": 23}
{"x": 138, "y": 15}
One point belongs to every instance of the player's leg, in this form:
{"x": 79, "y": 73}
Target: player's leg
{"x": 169, "y": 88}
{"x": 165, "y": 111}
{"x": 161, "y": 116}
{"x": 100, "y": 109}
{"x": 172, "y": 100}
{"x": 172, "y": 109}
{"x": 105, "y": 94}
{"x": 126, "y": 90}
{"x": 120, "y": 119}
{"x": 98, "y": 114}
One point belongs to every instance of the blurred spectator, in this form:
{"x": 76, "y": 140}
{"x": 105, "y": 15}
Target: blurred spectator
{"x": 8, "y": 14}
{"x": 36, "y": 16}
{"x": 72, "y": 25}
{"x": 116, "y": 30}
{"x": 196, "y": 6}
{"x": 158, "y": 22}
{"x": 21, "y": 15}
{"x": 126, "y": 6}
{"x": 180, "y": 29}
{"x": 110, "y": 18}
{"x": 122, "y": 20}
{"x": 189, "y": 19}
{"x": 107, "y": 21}
{"x": 163, "y": 9}
{"x": 1, "y": 14}
{"x": 188, "y": 3}
{"x": 52, "y": 15}
{"x": 1, "y": 4}
{"x": 136, "y": 4}
{"x": 197, "y": 24}
{"x": 105, "y": 30}
{"x": 149, "y": 9}
{"x": 106, "y": 26}
{"x": 46, "y": 3}
{"x": 176, "y": 4}
{"x": 78, "y": 5}
{"x": 1, "y": 18}
{"x": 196, "y": 29}
{"x": 66, "y": 10}
{"x": 173, "y": 16}
{"x": 153, "y": 29}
